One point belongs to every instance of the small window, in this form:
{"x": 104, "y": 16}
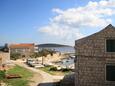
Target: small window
{"x": 110, "y": 72}
{"x": 110, "y": 45}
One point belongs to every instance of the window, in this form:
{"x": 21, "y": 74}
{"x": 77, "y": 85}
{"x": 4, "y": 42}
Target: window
{"x": 110, "y": 72}
{"x": 110, "y": 45}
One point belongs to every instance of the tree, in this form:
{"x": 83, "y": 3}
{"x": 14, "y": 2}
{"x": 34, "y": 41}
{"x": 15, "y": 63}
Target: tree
{"x": 15, "y": 56}
{"x": 35, "y": 55}
{"x": 44, "y": 52}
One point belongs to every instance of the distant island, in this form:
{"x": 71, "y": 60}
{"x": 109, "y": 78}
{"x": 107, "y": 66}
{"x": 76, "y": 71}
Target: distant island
{"x": 53, "y": 45}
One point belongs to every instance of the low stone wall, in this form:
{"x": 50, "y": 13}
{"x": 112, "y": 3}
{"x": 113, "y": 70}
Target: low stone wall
{"x": 68, "y": 80}
{"x": 4, "y": 58}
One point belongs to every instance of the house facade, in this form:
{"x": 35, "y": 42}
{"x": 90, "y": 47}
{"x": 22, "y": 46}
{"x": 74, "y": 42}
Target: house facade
{"x": 95, "y": 59}
{"x": 26, "y": 50}
{"x": 36, "y": 49}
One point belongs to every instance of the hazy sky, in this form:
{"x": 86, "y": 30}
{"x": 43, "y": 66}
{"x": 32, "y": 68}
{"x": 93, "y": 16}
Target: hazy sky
{"x": 53, "y": 21}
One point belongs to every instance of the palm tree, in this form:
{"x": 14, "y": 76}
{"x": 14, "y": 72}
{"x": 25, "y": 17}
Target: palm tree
{"x": 44, "y": 52}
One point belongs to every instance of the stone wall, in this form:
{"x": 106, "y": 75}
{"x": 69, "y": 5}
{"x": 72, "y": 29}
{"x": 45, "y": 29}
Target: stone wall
{"x": 95, "y": 45}
{"x": 68, "y": 80}
{"x": 92, "y": 71}
{"x": 4, "y": 58}
{"x": 27, "y": 52}
{"x": 92, "y": 58}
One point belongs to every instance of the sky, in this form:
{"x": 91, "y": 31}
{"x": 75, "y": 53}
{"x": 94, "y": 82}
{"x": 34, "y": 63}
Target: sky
{"x": 53, "y": 21}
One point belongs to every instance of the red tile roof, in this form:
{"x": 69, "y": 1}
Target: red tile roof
{"x": 24, "y": 45}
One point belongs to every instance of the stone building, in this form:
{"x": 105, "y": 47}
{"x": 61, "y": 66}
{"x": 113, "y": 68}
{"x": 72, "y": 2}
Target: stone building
{"x": 4, "y": 55}
{"x": 26, "y": 49}
{"x": 95, "y": 59}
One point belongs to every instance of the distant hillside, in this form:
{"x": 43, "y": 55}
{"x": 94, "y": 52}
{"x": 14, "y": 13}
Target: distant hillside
{"x": 53, "y": 45}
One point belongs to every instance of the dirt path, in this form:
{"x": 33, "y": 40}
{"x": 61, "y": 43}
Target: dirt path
{"x": 36, "y": 79}
{"x": 40, "y": 78}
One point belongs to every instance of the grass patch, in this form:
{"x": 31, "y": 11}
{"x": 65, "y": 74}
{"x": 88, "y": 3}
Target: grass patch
{"x": 24, "y": 73}
{"x": 55, "y": 72}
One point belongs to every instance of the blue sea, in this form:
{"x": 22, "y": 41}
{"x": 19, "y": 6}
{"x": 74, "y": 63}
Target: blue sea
{"x": 60, "y": 49}
{"x": 66, "y": 62}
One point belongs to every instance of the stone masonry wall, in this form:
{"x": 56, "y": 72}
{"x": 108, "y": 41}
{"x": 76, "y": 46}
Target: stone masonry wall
{"x": 5, "y": 57}
{"x": 92, "y": 71}
{"x": 95, "y": 45}
{"x": 92, "y": 58}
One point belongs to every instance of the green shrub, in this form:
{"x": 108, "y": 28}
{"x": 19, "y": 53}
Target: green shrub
{"x": 65, "y": 69}
{"x": 15, "y": 56}
{"x": 2, "y": 74}
{"x": 53, "y": 69}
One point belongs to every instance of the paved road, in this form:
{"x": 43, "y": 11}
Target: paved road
{"x": 42, "y": 79}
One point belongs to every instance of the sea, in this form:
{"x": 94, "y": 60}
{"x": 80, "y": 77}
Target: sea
{"x": 66, "y": 62}
{"x": 60, "y": 49}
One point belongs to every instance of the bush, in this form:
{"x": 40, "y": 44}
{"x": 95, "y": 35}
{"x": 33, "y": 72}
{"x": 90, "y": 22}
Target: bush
{"x": 15, "y": 56}
{"x": 2, "y": 74}
{"x": 53, "y": 69}
{"x": 65, "y": 69}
